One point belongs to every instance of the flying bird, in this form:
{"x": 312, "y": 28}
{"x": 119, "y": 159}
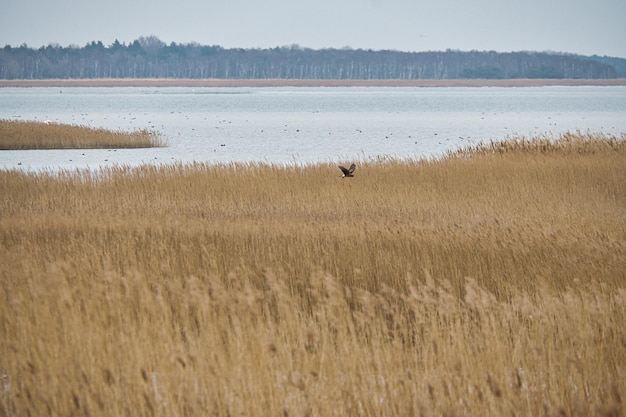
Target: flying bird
{"x": 348, "y": 172}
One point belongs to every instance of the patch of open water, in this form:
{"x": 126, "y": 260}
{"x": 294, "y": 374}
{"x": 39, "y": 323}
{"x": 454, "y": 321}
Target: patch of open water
{"x": 285, "y": 125}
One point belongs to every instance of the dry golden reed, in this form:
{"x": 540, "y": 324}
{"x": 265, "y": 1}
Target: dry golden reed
{"x": 491, "y": 281}
{"x": 18, "y": 134}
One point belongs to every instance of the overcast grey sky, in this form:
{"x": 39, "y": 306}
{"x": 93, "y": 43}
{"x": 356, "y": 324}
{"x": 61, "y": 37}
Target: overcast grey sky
{"x": 577, "y": 26}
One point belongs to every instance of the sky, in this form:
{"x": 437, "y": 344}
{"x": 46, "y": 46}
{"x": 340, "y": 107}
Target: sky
{"x": 584, "y": 27}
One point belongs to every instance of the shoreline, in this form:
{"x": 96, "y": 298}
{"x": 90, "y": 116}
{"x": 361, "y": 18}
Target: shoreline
{"x": 178, "y": 82}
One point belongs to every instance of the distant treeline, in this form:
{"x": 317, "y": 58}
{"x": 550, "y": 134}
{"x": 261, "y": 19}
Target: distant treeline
{"x": 149, "y": 57}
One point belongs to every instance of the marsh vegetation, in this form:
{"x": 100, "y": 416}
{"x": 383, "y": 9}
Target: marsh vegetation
{"x": 18, "y": 135}
{"x": 487, "y": 282}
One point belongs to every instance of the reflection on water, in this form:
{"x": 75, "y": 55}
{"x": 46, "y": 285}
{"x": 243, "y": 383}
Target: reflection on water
{"x": 285, "y": 125}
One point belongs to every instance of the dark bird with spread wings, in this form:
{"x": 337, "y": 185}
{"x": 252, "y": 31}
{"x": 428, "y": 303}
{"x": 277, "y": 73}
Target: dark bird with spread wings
{"x": 348, "y": 172}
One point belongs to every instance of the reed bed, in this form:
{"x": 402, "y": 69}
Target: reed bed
{"x": 20, "y": 135}
{"x": 487, "y": 282}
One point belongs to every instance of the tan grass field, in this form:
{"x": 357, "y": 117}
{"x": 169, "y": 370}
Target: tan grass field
{"x": 489, "y": 282}
{"x": 18, "y": 134}
{"x": 214, "y": 82}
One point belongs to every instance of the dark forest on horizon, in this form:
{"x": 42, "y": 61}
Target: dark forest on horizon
{"x": 149, "y": 57}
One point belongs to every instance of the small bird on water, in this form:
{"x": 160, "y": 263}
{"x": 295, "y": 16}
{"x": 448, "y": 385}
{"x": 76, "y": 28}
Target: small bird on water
{"x": 347, "y": 172}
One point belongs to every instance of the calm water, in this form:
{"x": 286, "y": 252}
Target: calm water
{"x": 304, "y": 125}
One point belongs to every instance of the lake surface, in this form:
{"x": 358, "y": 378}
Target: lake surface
{"x": 286, "y": 125}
